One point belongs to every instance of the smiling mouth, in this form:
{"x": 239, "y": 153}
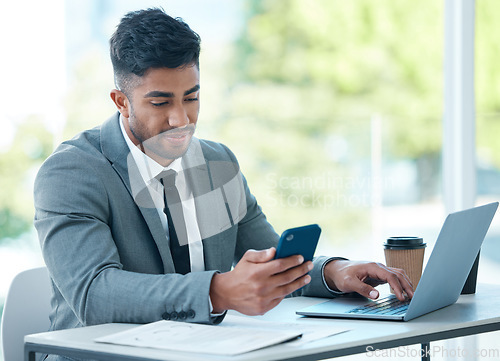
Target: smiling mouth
{"x": 178, "y": 135}
{"x": 177, "y": 138}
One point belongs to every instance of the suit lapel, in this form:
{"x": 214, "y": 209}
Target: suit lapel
{"x": 116, "y": 150}
{"x": 212, "y": 211}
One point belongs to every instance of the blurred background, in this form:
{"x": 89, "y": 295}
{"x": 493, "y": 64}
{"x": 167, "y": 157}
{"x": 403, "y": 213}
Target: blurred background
{"x": 333, "y": 108}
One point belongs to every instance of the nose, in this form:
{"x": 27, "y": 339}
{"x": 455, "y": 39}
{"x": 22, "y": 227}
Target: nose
{"x": 178, "y": 117}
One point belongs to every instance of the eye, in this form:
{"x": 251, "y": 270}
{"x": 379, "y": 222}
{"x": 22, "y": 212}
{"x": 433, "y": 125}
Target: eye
{"x": 159, "y": 104}
{"x": 191, "y": 99}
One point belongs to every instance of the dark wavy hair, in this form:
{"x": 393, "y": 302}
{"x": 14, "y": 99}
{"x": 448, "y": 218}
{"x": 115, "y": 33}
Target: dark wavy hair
{"x": 150, "y": 38}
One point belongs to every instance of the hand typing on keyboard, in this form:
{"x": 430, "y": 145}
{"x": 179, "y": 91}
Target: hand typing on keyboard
{"x": 362, "y": 277}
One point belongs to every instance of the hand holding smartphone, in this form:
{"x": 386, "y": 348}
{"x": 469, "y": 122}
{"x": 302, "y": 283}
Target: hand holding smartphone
{"x": 300, "y": 240}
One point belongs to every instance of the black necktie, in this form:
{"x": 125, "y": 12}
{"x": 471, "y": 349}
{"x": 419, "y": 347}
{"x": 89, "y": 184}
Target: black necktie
{"x": 176, "y": 223}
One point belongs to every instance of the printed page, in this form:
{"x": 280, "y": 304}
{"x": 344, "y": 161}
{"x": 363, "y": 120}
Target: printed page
{"x": 310, "y": 331}
{"x": 189, "y": 337}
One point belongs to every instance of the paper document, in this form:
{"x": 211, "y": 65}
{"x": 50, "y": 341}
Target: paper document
{"x": 235, "y": 335}
{"x": 311, "y": 331}
{"x": 190, "y": 337}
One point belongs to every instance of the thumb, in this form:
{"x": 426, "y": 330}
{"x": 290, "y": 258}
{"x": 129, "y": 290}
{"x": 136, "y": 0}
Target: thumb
{"x": 262, "y": 256}
{"x": 365, "y": 290}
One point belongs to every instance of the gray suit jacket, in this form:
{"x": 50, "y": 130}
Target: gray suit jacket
{"x": 105, "y": 248}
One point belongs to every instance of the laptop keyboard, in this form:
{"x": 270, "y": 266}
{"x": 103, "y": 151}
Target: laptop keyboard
{"x": 389, "y": 305}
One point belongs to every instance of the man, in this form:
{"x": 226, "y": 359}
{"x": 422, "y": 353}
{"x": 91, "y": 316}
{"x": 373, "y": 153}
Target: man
{"x": 138, "y": 220}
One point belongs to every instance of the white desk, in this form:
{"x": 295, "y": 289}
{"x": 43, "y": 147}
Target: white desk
{"x": 472, "y": 314}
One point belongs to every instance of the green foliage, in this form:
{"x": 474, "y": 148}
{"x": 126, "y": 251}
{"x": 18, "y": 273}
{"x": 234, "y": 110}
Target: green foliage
{"x": 309, "y": 78}
{"x": 352, "y": 58}
{"x": 30, "y": 146}
{"x": 88, "y": 104}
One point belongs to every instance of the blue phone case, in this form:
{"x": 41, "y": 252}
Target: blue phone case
{"x": 300, "y": 240}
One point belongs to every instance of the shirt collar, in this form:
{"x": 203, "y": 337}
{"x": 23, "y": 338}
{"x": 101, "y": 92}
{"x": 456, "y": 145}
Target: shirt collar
{"x": 148, "y": 167}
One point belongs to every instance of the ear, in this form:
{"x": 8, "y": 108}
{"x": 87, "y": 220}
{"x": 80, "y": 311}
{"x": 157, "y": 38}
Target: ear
{"x": 121, "y": 101}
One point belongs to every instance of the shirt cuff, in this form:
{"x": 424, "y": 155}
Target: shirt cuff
{"x": 323, "y": 274}
{"x": 212, "y": 309}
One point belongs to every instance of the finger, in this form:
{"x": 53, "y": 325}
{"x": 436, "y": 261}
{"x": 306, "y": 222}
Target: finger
{"x": 262, "y": 256}
{"x": 402, "y": 285}
{"x": 396, "y": 278}
{"x": 286, "y": 289}
{"x": 402, "y": 274}
{"x": 292, "y": 274}
{"x": 283, "y": 264}
{"x": 396, "y": 284}
{"x": 364, "y": 289}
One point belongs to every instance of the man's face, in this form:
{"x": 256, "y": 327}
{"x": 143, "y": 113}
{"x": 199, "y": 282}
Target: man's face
{"x": 163, "y": 112}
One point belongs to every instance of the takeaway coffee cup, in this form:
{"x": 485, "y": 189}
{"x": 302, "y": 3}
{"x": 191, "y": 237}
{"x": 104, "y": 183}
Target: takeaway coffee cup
{"x": 406, "y": 253}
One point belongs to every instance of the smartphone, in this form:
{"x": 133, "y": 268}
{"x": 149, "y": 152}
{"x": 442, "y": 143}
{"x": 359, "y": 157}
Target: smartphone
{"x": 300, "y": 240}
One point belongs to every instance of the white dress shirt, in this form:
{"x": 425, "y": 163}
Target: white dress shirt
{"x": 149, "y": 169}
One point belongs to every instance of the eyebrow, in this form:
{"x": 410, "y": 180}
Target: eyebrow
{"x": 161, "y": 94}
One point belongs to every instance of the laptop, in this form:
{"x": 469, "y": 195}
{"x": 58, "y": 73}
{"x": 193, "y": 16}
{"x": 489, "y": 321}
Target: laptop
{"x": 442, "y": 281}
